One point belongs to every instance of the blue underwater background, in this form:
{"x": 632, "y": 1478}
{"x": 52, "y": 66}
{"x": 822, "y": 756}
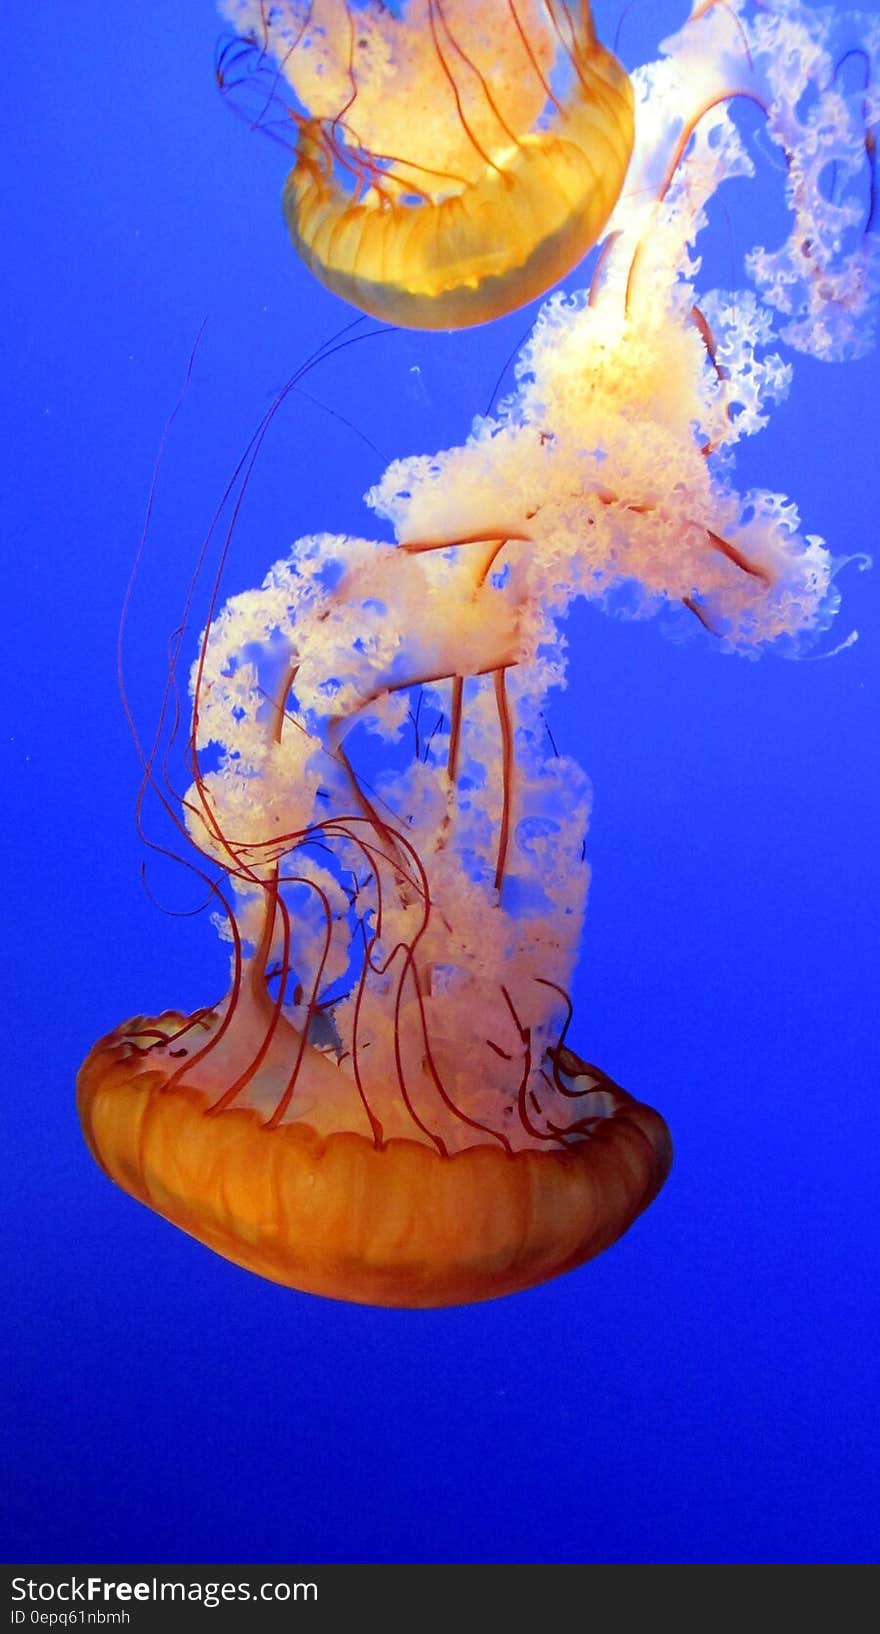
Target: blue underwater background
{"x": 707, "y": 1390}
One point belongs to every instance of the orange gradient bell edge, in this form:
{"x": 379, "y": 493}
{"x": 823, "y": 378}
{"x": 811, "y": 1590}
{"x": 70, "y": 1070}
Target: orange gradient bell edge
{"x": 452, "y": 162}
{"x": 396, "y": 1223}
{"x": 385, "y": 1106}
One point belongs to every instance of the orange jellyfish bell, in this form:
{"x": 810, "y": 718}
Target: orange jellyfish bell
{"x": 380, "y": 1223}
{"x": 455, "y": 161}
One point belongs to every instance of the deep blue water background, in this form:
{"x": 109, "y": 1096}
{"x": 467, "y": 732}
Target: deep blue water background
{"x": 706, "y": 1391}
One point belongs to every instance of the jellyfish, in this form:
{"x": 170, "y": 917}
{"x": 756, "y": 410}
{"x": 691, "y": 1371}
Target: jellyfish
{"x": 453, "y": 162}
{"x": 386, "y": 1107}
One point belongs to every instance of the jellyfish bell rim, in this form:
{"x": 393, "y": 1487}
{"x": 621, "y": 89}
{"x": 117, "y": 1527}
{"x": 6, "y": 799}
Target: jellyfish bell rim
{"x": 468, "y": 299}
{"x": 462, "y": 260}
{"x": 396, "y": 1224}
